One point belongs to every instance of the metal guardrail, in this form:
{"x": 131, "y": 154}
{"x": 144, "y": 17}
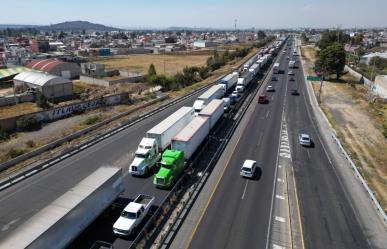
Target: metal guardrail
{"x": 148, "y": 232}
{"x": 362, "y": 181}
{"x": 78, "y": 148}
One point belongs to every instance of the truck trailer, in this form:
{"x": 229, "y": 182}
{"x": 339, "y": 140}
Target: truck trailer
{"x": 214, "y": 111}
{"x": 276, "y": 68}
{"x": 215, "y": 92}
{"x": 158, "y": 139}
{"x": 244, "y": 82}
{"x": 189, "y": 139}
{"x": 229, "y": 81}
{"x": 60, "y": 222}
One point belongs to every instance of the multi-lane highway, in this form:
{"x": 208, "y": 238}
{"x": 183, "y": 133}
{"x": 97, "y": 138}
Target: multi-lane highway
{"x": 238, "y": 212}
{"x": 23, "y": 200}
{"x": 328, "y": 218}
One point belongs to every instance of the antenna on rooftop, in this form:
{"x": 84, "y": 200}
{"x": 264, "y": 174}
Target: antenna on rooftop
{"x": 235, "y": 24}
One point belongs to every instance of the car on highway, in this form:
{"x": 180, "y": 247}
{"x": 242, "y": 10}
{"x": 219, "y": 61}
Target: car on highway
{"x": 248, "y": 168}
{"x": 295, "y": 92}
{"x": 274, "y": 78}
{"x": 101, "y": 245}
{"x": 291, "y": 78}
{"x": 287, "y": 57}
{"x": 305, "y": 140}
{"x": 233, "y": 99}
{"x": 290, "y": 72}
{"x": 270, "y": 88}
{"x": 262, "y": 99}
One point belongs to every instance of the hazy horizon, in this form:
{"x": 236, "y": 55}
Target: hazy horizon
{"x": 216, "y": 14}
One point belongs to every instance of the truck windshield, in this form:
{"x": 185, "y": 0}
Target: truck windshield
{"x": 142, "y": 155}
{"x": 168, "y": 166}
{"x": 128, "y": 215}
{"x": 145, "y": 147}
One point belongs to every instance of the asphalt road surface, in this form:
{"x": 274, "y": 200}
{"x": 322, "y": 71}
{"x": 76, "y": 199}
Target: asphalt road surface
{"x": 238, "y": 213}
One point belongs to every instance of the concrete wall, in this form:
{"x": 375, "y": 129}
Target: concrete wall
{"x": 107, "y": 83}
{"x": 20, "y": 98}
{"x": 65, "y": 111}
{"x": 357, "y": 75}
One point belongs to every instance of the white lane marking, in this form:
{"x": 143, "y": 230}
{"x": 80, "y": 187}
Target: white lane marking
{"x": 244, "y": 191}
{"x": 307, "y": 152}
{"x": 260, "y": 138}
{"x": 280, "y": 219}
{"x": 281, "y": 197}
{"x": 278, "y": 247}
{"x": 267, "y": 114}
{"x": 7, "y": 226}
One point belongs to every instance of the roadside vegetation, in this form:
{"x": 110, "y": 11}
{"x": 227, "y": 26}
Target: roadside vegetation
{"x": 361, "y": 125}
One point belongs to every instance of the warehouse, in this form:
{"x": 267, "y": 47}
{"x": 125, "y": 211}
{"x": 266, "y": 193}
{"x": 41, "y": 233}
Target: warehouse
{"x": 56, "y": 67}
{"x": 51, "y": 86}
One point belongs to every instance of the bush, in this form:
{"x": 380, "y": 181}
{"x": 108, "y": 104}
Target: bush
{"x": 30, "y": 143}
{"x": 92, "y": 120}
{"x": 12, "y": 153}
{"x": 3, "y": 134}
{"x": 28, "y": 124}
{"x": 41, "y": 101}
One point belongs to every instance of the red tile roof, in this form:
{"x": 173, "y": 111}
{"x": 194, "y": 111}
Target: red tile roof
{"x": 44, "y": 65}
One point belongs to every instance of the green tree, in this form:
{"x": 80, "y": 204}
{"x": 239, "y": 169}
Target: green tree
{"x": 331, "y": 59}
{"x": 151, "y": 70}
{"x": 261, "y": 35}
{"x": 304, "y": 38}
{"x": 330, "y": 37}
{"x": 61, "y": 35}
{"x": 41, "y": 101}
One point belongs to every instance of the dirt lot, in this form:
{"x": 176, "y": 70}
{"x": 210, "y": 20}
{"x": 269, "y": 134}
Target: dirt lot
{"x": 140, "y": 63}
{"x": 15, "y": 110}
{"x": 359, "y": 126}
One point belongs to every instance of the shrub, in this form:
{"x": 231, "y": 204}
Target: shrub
{"x": 92, "y": 119}
{"x": 12, "y": 153}
{"x": 41, "y": 101}
{"x": 30, "y": 143}
{"x": 28, "y": 124}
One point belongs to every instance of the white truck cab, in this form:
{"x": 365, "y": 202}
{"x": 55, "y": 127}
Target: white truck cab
{"x": 147, "y": 154}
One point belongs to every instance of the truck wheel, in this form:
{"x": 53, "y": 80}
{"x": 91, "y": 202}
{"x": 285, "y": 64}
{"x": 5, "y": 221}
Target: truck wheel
{"x": 146, "y": 171}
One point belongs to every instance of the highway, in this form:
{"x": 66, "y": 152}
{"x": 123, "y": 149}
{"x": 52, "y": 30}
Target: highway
{"x": 327, "y": 215}
{"x": 238, "y": 212}
{"x": 21, "y": 201}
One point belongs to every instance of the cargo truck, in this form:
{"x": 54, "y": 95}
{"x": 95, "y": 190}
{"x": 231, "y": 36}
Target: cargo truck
{"x": 132, "y": 215}
{"x": 229, "y": 81}
{"x": 254, "y": 69}
{"x": 172, "y": 166}
{"x": 243, "y": 82}
{"x": 215, "y": 92}
{"x": 214, "y": 111}
{"x": 61, "y": 221}
{"x": 189, "y": 139}
{"x": 276, "y": 68}
{"x": 158, "y": 139}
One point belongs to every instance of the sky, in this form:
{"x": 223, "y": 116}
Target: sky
{"x": 258, "y": 14}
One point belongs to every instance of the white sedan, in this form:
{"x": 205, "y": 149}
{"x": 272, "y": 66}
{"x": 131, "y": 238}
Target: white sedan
{"x": 305, "y": 140}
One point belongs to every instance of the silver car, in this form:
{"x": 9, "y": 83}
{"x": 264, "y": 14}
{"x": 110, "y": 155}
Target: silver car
{"x": 305, "y": 140}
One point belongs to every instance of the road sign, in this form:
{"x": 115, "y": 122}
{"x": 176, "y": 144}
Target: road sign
{"x": 313, "y": 78}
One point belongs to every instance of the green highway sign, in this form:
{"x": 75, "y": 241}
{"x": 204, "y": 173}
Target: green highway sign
{"x": 313, "y": 78}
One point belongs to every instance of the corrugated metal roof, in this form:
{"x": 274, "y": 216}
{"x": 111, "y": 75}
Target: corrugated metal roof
{"x": 45, "y": 65}
{"x": 6, "y": 72}
{"x": 40, "y": 79}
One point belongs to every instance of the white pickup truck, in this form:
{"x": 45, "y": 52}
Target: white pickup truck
{"x": 132, "y": 215}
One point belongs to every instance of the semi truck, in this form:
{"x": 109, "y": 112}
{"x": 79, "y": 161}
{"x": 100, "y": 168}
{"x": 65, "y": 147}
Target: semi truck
{"x": 184, "y": 145}
{"x": 189, "y": 139}
{"x": 132, "y": 215}
{"x": 276, "y": 68}
{"x": 243, "y": 82}
{"x": 254, "y": 69}
{"x": 229, "y": 81}
{"x": 60, "y": 222}
{"x": 214, "y": 111}
{"x": 158, "y": 139}
{"x": 215, "y": 92}
{"x": 172, "y": 166}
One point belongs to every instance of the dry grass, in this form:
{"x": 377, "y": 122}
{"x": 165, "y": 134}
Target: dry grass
{"x": 140, "y": 63}
{"x": 16, "y": 110}
{"x": 359, "y": 125}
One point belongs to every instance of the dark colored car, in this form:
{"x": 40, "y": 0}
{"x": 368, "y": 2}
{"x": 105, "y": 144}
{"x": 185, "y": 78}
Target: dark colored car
{"x": 262, "y": 99}
{"x": 295, "y": 92}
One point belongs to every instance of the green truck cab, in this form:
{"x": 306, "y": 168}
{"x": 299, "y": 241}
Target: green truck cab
{"x": 171, "y": 166}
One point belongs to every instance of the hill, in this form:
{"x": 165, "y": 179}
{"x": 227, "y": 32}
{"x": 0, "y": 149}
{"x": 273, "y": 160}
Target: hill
{"x": 77, "y": 26}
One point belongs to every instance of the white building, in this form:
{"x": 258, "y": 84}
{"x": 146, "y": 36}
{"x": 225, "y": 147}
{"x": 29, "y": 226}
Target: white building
{"x": 380, "y": 86}
{"x": 51, "y": 86}
{"x": 366, "y": 58}
{"x": 204, "y": 44}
